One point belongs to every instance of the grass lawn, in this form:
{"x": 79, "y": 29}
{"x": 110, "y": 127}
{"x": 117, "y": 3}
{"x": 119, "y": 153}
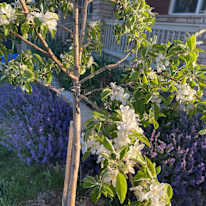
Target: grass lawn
{"x": 19, "y": 182}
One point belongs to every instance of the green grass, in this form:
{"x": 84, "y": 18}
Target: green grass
{"x": 19, "y": 182}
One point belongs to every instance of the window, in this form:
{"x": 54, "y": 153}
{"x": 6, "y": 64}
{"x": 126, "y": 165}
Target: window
{"x": 187, "y": 6}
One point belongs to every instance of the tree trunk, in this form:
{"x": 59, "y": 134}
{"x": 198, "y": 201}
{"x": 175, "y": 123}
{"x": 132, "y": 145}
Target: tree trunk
{"x": 76, "y": 113}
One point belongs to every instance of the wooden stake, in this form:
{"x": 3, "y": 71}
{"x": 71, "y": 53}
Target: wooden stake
{"x": 68, "y": 165}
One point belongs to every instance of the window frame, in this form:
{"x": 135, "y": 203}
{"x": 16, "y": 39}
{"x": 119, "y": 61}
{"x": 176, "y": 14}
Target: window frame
{"x": 197, "y": 11}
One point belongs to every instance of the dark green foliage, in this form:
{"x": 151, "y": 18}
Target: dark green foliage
{"x": 99, "y": 81}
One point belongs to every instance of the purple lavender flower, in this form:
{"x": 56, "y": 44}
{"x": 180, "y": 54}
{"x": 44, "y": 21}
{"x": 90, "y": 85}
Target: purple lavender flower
{"x": 37, "y": 124}
{"x": 182, "y": 155}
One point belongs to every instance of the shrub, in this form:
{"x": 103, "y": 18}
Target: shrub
{"x": 36, "y": 124}
{"x": 182, "y": 154}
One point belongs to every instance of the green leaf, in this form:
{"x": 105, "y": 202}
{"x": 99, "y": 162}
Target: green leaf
{"x": 86, "y": 155}
{"x": 100, "y": 115}
{"x": 6, "y": 31}
{"x": 202, "y": 84}
{"x": 155, "y": 123}
{"x": 141, "y": 175}
{"x": 105, "y": 93}
{"x": 184, "y": 80}
{"x": 169, "y": 191}
{"x": 38, "y": 57}
{"x": 107, "y": 190}
{"x": 121, "y": 187}
{"x": 28, "y": 88}
{"x": 52, "y": 32}
{"x": 191, "y": 42}
{"x": 141, "y": 137}
{"x": 144, "y": 80}
{"x": 49, "y": 78}
{"x": 158, "y": 169}
{"x": 29, "y": 75}
{"x": 108, "y": 145}
{"x": 202, "y": 132}
{"x": 95, "y": 195}
{"x": 89, "y": 182}
{"x": 25, "y": 29}
{"x": 124, "y": 152}
{"x": 150, "y": 168}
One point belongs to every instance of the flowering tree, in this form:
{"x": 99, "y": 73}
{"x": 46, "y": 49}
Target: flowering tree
{"x": 160, "y": 77}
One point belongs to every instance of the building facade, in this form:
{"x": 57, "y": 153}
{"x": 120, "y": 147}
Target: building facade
{"x": 175, "y": 20}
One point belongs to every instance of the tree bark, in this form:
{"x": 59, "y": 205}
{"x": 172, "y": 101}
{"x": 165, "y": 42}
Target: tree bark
{"x": 76, "y": 112}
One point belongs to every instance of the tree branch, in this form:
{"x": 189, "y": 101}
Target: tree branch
{"x": 29, "y": 43}
{"x": 164, "y": 75}
{"x": 83, "y": 27}
{"x": 86, "y": 45}
{"x": 93, "y": 105}
{"x": 108, "y": 67}
{"x": 57, "y": 91}
{"x": 53, "y": 57}
{"x": 66, "y": 29}
{"x": 24, "y": 7}
{"x": 94, "y": 90}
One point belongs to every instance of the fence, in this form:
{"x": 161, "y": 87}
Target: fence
{"x": 164, "y": 31}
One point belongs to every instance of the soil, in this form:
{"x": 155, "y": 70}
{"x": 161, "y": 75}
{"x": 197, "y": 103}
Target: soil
{"x": 54, "y": 198}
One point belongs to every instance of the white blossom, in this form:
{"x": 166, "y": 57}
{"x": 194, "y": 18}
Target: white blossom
{"x": 161, "y": 63}
{"x": 95, "y": 147}
{"x": 48, "y": 19}
{"x": 152, "y": 75}
{"x": 93, "y": 23}
{"x": 122, "y": 137}
{"x": 156, "y": 99}
{"x": 157, "y": 193}
{"x": 83, "y": 144}
{"x": 119, "y": 94}
{"x": 140, "y": 193}
{"x": 135, "y": 150}
{"x": 111, "y": 176}
{"x": 185, "y": 93}
{"x": 7, "y": 14}
{"x": 130, "y": 122}
{"x": 102, "y": 153}
{"x": 130, "y": 118}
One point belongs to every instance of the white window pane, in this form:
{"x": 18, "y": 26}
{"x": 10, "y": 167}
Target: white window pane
{"x": 185, "y": 6}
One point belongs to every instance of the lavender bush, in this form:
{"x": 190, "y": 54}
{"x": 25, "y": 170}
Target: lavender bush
{"x": 182, "y": 154}
{"x": 36, "y": 124}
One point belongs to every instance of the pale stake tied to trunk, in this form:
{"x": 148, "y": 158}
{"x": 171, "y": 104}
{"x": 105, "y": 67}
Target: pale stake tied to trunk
{"x": 68, "y": 163}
